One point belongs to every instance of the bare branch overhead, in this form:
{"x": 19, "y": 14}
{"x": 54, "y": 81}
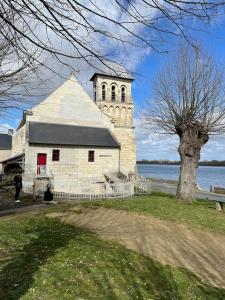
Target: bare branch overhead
{"x": 188, "y": 92}
{"x": 17, "y": 66}
{"x": 80, "y": 25}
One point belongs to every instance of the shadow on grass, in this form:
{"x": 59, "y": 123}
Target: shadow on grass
{"x": 124, "y": 274}
{"x": 111, "y": 271}
{"x": 130, "y": 274}
{"x": 116, "y": 271}
{"x": 200, "y": 252}
{"x": 17, "y": 275}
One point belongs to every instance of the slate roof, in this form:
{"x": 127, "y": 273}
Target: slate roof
{"x": 5, "y": 141}
{"x": 13, "y": 159}
{"x": 57, "y": 134}
{"x": 113, "y": 69}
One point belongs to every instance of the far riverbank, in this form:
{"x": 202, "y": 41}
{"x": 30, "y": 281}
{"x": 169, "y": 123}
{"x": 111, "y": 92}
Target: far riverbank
{"x": 211, "y": 163}
{"x": 207, "y": 175}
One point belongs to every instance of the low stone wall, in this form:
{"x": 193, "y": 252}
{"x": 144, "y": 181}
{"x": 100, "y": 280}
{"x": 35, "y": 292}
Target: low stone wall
{"x": 163, "y": 180}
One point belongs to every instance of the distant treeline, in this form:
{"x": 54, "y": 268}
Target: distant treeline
{"x": 219, "y": 163}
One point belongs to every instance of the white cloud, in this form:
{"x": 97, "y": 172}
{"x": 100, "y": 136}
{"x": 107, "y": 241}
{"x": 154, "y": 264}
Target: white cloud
{"x": 149, "y": 145}
{"x": 125, "y": 53}
{"x": 114, "y": 48}
{"x": 4, "y": 128}
{"x": 153, "y": 146}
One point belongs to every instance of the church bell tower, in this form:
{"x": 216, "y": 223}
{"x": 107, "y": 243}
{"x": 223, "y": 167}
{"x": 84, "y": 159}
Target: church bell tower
{"x": 112, "y": 94}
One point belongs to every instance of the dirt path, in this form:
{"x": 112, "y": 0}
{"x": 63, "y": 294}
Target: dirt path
{"x": 201, "y": 252}
{"x": 7, "y": 202}
{"x": 34, "y": 209}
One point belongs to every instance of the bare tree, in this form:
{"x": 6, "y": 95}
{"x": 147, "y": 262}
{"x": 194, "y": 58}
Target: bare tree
{"x": 86, "y": 28}
{"x": 190, "y": 102}
{"x": 16, "y": 68}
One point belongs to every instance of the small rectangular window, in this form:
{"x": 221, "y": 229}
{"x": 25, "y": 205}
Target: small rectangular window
{"x": 91, "y": 156}
{"x": 55, "y": 155}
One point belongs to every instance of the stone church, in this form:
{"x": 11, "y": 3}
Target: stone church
{"x": 70, "y": 138}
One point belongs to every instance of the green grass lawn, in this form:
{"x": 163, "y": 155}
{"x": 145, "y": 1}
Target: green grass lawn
{"x": 200, "y": 214}
{"x": 44, "y": 259}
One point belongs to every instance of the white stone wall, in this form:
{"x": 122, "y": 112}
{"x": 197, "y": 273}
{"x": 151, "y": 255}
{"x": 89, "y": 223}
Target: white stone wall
{"x": 68, "y": 104}
{"x": 126, "y": 138}
{"x": 73, "y": 163}
{"x": 71, "y": 105}
{"x": 4, "y": 154}
{"x": 121, "y": 115}
{"x": 19, "y": 141}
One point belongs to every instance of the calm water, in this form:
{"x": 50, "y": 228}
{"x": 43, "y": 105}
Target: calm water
{"x": 207, "y": 176}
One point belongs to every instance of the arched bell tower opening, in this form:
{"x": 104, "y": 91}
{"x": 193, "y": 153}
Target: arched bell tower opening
{"x": 113, "y": 96}
{"x": 113, "y": 91}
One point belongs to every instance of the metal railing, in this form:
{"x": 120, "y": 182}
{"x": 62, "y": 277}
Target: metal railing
{"x": 142, "y": 186}
{"x": 66, "y": 183}
{"x": 94, "y": 190}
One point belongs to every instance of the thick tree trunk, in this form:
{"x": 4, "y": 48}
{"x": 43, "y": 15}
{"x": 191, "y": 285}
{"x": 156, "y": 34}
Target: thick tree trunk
{"x": 191, "y": 141}
{"x": 187, "y": 180}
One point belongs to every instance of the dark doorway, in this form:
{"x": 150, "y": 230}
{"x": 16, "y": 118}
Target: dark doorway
{"x": 12, "y": 168}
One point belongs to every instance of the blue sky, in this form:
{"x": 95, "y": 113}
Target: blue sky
{"x": 154, "y": 146}
{"x": 151, "y": 145}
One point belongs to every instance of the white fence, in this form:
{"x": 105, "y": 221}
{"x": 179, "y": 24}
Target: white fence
{"x": 142, "y": 186}
{"x": 82, "y": 188}
{"x": 92, "y": 190}
{"x": 66, "y": 183}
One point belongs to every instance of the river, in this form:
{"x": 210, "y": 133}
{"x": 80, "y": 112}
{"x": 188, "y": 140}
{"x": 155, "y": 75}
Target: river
{"x": 206, "y": 177}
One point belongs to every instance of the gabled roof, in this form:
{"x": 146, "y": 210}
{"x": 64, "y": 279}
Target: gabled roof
{"x": 14, "y": 159}
{"x": 112, "y": 69}
{"x": 57, "y": 134}
{"x": 5, "y": 141}
{"x": 69, "y": 104}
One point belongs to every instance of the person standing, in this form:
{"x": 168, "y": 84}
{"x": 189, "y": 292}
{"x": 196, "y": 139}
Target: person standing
{"x": 18, "y": 185}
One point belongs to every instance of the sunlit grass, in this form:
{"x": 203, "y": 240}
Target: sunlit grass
{"x": 44, "y": 259}
{"x": 201, "y": 213}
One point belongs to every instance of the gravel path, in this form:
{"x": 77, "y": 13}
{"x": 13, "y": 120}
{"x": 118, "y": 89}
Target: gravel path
{"x": 199, "y": 251}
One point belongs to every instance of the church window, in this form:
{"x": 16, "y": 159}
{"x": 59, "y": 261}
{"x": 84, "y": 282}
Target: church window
{"x": 103, "y": 92}
{"x": 55, "y": 155}
{"x": 91, "y": 156}
{"x": 123, "y": 94}
{"x": 113, "y": 93}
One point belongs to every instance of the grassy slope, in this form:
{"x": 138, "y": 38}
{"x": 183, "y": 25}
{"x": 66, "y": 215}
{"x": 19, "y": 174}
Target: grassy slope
{"x": 44, "y": 259}
{"x": 200, "y": 213}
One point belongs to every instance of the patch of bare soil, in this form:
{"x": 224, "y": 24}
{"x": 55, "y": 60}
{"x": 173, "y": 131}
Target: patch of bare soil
{"x": 199, "y": 251}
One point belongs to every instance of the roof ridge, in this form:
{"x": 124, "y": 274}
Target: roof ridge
{"x": 68, "y": 125}
{"x": 71, "y": 135}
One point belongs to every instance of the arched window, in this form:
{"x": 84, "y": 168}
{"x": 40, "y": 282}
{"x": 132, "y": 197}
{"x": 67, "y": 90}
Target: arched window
{"x": 123, "y": 94}
{"x": 103, "y": 92}
{"x": 113, "y": 93}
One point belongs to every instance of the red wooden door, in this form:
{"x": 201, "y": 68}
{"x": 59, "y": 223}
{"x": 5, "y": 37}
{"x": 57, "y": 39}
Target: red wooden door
{"x": 41, "y": 163}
